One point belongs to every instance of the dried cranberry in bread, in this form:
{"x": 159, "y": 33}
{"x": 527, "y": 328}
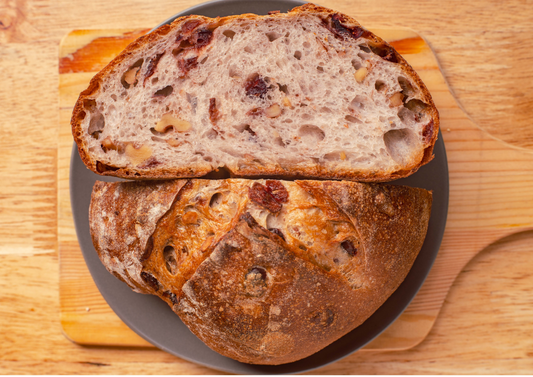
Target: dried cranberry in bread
{"x": 305, "y": 93}
{"x": 266, "y": 271}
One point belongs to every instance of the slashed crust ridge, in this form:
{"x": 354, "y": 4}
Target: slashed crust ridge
{"x": 307, "y": 93}
{"x": 265, "y": 271}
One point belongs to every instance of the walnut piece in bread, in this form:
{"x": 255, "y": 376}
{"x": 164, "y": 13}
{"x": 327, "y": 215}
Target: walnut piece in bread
{"x": 305, "y": 93}
{"x": 266, "y": 271}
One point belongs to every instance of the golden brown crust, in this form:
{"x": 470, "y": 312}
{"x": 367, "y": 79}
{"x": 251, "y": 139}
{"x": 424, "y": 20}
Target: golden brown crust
{"x": 251, "y": 170}
{"x": 262, "y": 283}
{"x": 122, "y": 219}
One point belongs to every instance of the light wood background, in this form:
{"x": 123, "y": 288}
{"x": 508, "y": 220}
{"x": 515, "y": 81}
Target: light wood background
{"x": 485, "y": 52}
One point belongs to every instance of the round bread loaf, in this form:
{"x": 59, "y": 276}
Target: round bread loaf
{"x": 266, "y": 271}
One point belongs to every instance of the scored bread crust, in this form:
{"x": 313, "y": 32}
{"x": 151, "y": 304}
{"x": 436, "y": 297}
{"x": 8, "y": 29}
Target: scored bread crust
{"x": 264, "y": 272}
{"x": 247, "y": 166}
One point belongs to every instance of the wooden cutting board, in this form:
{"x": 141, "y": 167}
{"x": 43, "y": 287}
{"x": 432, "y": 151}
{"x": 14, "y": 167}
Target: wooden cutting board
{"x": 491, "y": 196}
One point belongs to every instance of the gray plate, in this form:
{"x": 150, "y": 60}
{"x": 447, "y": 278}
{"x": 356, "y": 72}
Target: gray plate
{"x": 153, "y": 319}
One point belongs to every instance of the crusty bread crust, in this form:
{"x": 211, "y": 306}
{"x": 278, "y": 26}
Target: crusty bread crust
{"x": 251, "y": 168}
{"x": 265, "y": 272}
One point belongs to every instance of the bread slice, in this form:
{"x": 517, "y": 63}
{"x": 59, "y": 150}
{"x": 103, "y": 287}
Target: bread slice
{"x": 305, "y": 93}
{"x": 266, "y": 271}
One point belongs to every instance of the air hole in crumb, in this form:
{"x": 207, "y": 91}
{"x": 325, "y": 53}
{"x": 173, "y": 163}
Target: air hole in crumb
{"x": 96, "y": 123}
{"x": 356, "y": 64}
{"x": 229, "y": 33}
{"x": 283, "y": 88}
{"x": 325, "y": 110}
{"x": 406, "y": 115}
{"x": 165, "y": 92}
{"x": 157, "y": 133}
{"x": 233, "y": 72}
{"x": 379, "y": 85}
{"x": 298, "y": 55}
{"x": 358, "y": 103}
{"x": 400, "y": 144}
{"x": 248, "y": 49}
{"x": 114, "y": 97}
{"x": 407, "y": 88}
{"x": 211, "y": 134}
{"x": 352, "y": 119}
{"x": 334, "y": 156}
{"x": 130, "y": 74}
{"x": 244, "y": 127}
{"x": 365, "y": 48}
{"x": 89, "y": 104}
{"x": 155, "y": 80}
{"x": 272, "y": 36}
{"x": 307, "y": 44}
{"x": 320, "y": 69}
{"x": 416, "y": 105}
{"x": 311, "y": 133}
{"x": 216, "y": 200}
{"x": 169, "y": 254}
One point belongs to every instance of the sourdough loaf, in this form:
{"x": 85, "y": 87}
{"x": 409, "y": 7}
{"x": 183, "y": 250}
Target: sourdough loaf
{"x": 305, "y": 93}
{"x": 265, "y": 271}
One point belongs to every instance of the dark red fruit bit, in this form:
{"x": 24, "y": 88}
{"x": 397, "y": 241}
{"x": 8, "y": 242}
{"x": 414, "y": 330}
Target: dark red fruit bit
{"x": 171, "y": 296}
{"x": 214, "y": 114}
{"x": 255, "y": 282}
{"x": 349, "y": 248}
{"x": 102, "y": 168}
{"x": 201, "y": 38}
{"x": 152, "y": 65}
{"x": 260, "y": 195}
{"x": 342, "y": 31}
{"x": 385, "y": 52}
{"x": 427, "y": 131}
{"x": 148, "y": 249}
{"x": 185, "y": 65}
{"x": 256, "y": 87}
{"x": 277, "y": 190}
{"x": 278, "y": 232}
{"x": 150, "y": 280}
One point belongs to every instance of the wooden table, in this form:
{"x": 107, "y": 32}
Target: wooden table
{"x": 485, "y": 52}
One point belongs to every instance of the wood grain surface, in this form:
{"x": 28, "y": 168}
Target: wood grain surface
{"x": 484, "y": 49}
